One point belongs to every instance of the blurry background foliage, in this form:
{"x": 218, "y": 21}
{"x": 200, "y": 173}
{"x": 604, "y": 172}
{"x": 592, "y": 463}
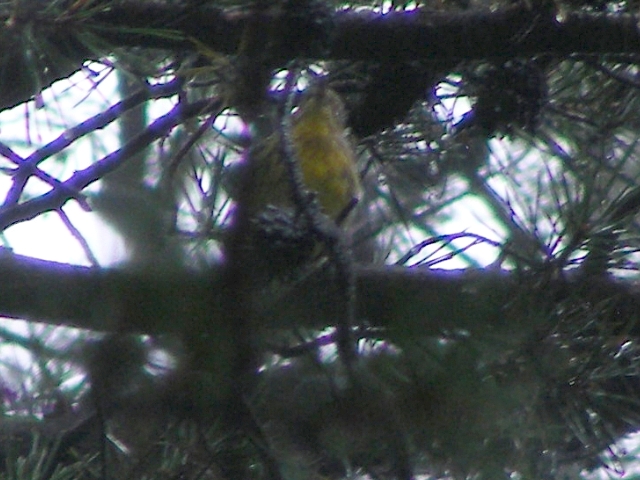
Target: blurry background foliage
{"x": 494, "y": 249}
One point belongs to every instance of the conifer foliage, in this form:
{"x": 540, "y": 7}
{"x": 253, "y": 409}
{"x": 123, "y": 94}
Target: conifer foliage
{"x": 362, "y": 240}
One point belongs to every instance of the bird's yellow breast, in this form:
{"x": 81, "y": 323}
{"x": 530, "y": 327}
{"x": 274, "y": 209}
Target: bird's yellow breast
{"x": 326, "y": 158}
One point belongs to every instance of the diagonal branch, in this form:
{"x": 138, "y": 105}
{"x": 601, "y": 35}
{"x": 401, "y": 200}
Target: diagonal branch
{"x": 55, "y": 199}
{"x": 12, "y": 156}
{"x": 28, "y": 167}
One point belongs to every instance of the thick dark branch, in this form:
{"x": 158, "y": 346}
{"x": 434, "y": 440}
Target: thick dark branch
{"x": 97, "y": 299}
{"x": 513, "y": 31}
{"x": 356, "y": 35}
{"x": 423, "y": 300}
{"x": 416, "y": 35}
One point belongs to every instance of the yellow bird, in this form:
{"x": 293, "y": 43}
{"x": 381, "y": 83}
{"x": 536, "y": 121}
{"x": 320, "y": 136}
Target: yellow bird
{"x": 327, "y": 160}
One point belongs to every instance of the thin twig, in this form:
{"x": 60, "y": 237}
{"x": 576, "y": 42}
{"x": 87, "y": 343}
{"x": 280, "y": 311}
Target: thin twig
{"x": 75, "y": 233}
{"x": 416, "y": 249}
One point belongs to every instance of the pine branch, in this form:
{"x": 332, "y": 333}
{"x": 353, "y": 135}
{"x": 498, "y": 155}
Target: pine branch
{"x": 518, "y": 30}
{"x": 366, "y": 35}
{"x": 401, "y": 300}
